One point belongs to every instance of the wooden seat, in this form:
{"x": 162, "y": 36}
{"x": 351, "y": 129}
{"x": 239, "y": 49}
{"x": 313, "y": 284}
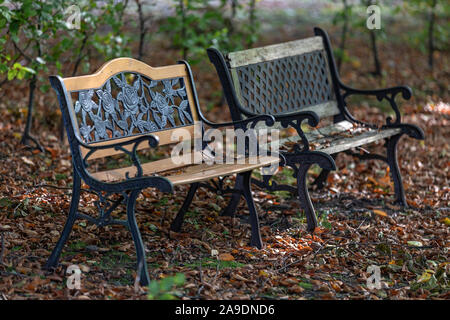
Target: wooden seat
{"x": 188, "y": 174}
{"x": 340, "y": 137}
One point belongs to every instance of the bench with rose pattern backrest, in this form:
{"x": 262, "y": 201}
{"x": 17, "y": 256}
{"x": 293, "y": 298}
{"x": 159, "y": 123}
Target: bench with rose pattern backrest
{"x": 297, "y": 81}
{"x": 128, "y": 106}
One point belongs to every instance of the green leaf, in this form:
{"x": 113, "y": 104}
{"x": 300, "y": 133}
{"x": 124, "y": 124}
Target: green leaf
{"x": 305, "y": 285}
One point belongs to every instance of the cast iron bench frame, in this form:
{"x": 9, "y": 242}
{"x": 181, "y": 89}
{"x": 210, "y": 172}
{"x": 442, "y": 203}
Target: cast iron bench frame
{"x": 100, "y": 123}
{"x": 297, "y": 81}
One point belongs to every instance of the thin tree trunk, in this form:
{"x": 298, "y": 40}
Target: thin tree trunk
{"x": 431, "y": 47}
{"x": 184, "y": 49}
{"x": 233, "y": 16}
{"x": 142, "y": 30}
{"x": 373, "y": 42}
{"x": 343, "y": 35}
{"x": 376, "y": 59}
{"x": 252, "y": 19}
{"x": 26, "y": 136}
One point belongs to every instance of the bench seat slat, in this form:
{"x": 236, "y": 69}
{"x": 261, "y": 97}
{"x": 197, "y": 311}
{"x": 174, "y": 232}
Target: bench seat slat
{"x": 189, "y": 173}
{"x": 362, "y": 139}
{"x": 330, "y": 139}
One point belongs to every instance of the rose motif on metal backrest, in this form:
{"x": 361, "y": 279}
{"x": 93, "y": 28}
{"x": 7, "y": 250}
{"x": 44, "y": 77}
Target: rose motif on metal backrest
{"x": 129, "y": 104}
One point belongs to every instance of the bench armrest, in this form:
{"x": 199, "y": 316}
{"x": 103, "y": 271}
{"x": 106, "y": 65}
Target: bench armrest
{"x": 268, "y": 119}
{"x": 387, "y": 93}
{"x": 312, "y": 117}
{"x": 295, "y": 120}
{"x": 152, "y": 140}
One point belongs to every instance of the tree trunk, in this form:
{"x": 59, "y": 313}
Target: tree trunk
{"x": 376, "y": 60}
{"x": 252, "y": 19}
{"x": 373, "y": 42}
{"x": 184, "y": 49}
{"x": 142, "y": 30}
{"x": 26, "y": 137}
{"x": 431, "y": 34}
{"x": 343, "y": 35}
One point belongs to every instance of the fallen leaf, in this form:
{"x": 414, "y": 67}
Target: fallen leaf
{"x": 380, "y": 213}
{"x": 415, "y": 243}
{"x": 226, "y": 257}
{"x": 27, "y": 161}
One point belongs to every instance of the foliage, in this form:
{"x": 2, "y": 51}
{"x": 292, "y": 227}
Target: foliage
{"x": 421, "y": 10}
{"x": 164, "y": 289}
{"x": 199, "y": 24}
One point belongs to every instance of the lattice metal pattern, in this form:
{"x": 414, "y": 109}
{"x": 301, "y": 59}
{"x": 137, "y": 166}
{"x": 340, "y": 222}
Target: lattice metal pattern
{"x": 129, "y": 104}
{"x": 285, "y": 85}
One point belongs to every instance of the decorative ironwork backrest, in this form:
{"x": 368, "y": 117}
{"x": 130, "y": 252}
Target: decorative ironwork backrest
{"x": 126, "y": 98}
{"x": 284, "y": 78}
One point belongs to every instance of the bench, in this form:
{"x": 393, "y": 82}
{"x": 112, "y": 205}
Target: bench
{"x": 298, "y": 81}
{"x": 126, "y": 107}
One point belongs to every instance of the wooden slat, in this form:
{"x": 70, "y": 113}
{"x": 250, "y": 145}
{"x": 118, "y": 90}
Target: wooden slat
{"x": 157, "y": 166}
{"x": 115, "y": 66}
{"x": 330, "y": 136}
{"x": 193, "y": 173}
{"x": 362, "y": 139}
{"x": 276, "y": 51}
{"x": 323, "y": 110}
{"x": 165, "y": 138}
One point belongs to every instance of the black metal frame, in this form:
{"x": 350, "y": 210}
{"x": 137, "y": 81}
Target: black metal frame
{"x": 129, "y": 189}
{"x": 301, "y": 158}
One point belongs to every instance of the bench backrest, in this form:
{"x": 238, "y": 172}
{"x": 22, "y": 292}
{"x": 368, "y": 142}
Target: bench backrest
{"x": 126, "y": 98}
{"x": 284, "y": 78}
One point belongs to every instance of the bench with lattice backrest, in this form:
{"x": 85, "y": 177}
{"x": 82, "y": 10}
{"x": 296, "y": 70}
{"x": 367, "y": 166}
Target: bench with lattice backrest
{"x": 126, "y": 107}
{"x": 297, "y": 81}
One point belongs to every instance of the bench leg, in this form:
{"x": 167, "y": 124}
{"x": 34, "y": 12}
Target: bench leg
{"x": 305, "y": 199}
{"x": 52, "y": 261}
{"x": 178, "y": 221}
{"x": 256, "y": 240}
{"x": 391, "y": 146}
{"x": 139, "y": 245}
{"x": 230, "y": 210}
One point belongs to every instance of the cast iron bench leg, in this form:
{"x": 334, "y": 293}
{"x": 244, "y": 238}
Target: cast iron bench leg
{"x": 178, "y": 221}
{"x": 52, "y": 261}
{"x": 391, "y": 146}
{"x": 142, "y": 271}
{"x": 305, "y": 199}
{"x": 256, "y": 240}
{"x": 230, "y": 210}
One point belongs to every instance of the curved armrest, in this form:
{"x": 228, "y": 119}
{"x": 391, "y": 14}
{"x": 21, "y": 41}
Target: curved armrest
{"x": 386, "y": 93}
{"x": 153, "y": 142}
{"x": 295, "y": 120}
{"x": 268, "y": 119}
{"x": 379, "y": 93}
{"x": 312, "y": 117}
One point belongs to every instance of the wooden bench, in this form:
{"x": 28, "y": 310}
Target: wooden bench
{"x": 297, "y": 81}
{"x": 128, "y": 106}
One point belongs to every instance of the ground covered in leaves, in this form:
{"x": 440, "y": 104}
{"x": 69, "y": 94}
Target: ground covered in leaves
{"x": 359, "y": 226}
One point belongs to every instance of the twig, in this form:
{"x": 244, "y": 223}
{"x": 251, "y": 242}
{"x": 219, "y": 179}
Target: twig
{"x": 200, "y": 289}
{"x": 3, "y": 248}
{"x": 60, "y": 188}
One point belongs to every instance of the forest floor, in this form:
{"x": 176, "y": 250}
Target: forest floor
{"x": 359, "y": 226}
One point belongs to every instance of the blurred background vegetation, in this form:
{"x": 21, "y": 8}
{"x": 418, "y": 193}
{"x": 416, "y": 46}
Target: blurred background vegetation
{"x": 36, "y": 40}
